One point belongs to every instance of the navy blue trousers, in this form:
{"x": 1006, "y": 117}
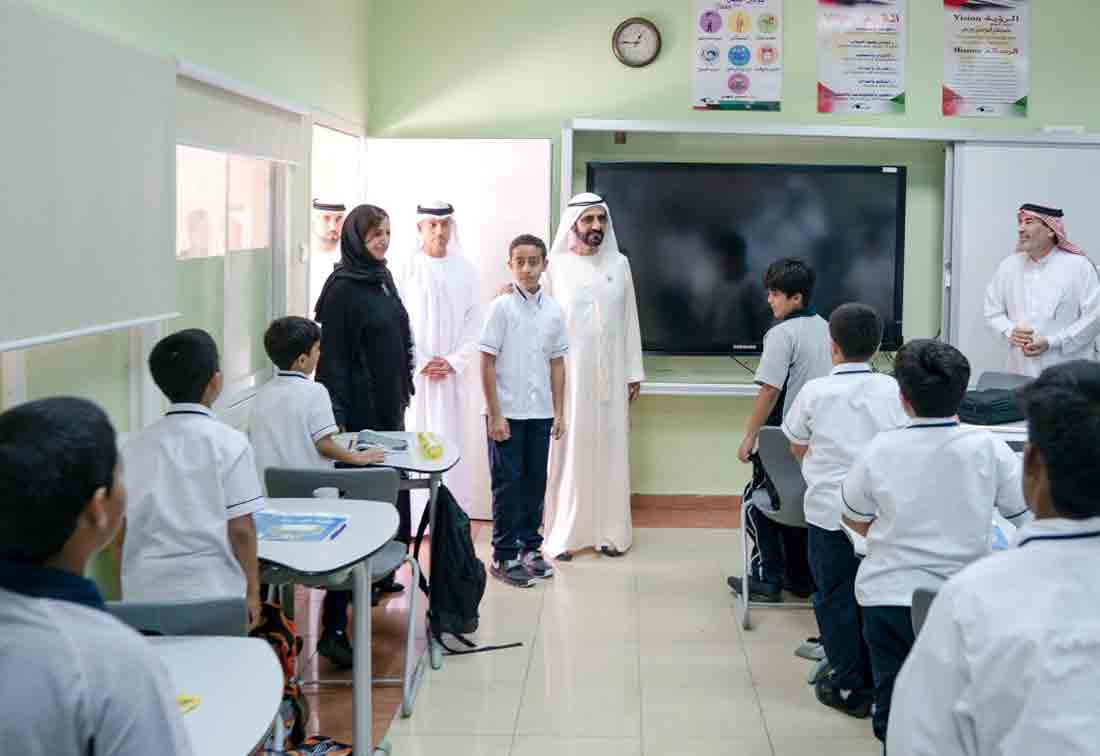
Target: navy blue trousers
{"x": 834, "y": 564}
{"x": 518, "y": 471}
{"x": 889, "y": 634}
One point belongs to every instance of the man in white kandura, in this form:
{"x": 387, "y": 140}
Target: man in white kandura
{"x": 440, "y": 289}
{"x": 1045, "y": 299}
{"x": 588, "y": 493}
{"x": 328, "y": 221}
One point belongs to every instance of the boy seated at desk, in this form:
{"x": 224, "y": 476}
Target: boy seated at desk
{"x": 924, "y": 497}
{"x": 1006, "y": 660}
{"x": 193, "y": 488}
{"x": 74, "y": 680}
{"x": 523, "y": 346}
{"x": 831, "y": 421}
{"x": 292, "y": 425}
{"x": 796, "y": 350}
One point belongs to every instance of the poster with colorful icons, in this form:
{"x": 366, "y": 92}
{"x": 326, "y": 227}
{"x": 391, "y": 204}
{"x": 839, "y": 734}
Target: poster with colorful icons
{"x": 987, "y": 58}
{"x": 738, "y": 57}
{"x": 861, "y": 56}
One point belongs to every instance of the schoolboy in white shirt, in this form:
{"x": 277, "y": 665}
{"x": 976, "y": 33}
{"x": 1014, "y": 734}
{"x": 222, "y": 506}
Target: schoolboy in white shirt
{"x": 523, "y": 346}
{"x": 1006, "y": 662}
{"x": 292, "y": 425}
{"x": 924, "y": 497}
{"x": 830, "y": 423}
{"x": 74, "y": 680}
{"x": 193, "y": 488}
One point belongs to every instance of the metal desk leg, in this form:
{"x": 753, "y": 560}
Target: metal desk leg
{"x": 435, "y": 651}
{"x": 363, "y": 731}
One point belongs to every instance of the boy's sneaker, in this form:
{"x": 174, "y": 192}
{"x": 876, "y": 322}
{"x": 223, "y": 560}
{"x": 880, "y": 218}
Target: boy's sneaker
{"x": 536, "y": 566}
{"x": 854, "y": 703}
{"x": 512, "y": 572}
{"x": 758, "y": 590}
{"x": 335, "y": 646}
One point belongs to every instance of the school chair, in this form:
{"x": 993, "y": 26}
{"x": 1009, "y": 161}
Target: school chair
{"x": 922, "y": 602}
{"x": 372, "y": 484}
{"x": 781, "y": 466}
{"x": 216, "y": 616}
{"x": 992, "y": 379}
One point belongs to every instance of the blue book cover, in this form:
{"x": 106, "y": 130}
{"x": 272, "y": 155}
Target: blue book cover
{"x": 280, "y": 526}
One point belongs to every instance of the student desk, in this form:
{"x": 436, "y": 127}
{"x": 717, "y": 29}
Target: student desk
{"x": 371, "y": 525}
{"x": 412, "y": 461}
{"x": 239, "y": 684}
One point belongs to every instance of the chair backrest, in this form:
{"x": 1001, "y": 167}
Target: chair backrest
{"x": 992, "y": 379}
{"x": 922, "y": 600}
{"x": 216, "y": 616}
{"x": 371, "y": 483}
{"x": 786, "y": 475}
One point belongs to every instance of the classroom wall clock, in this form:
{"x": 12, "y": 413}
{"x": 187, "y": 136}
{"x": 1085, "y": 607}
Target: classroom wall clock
{"x": 636, "y": 42}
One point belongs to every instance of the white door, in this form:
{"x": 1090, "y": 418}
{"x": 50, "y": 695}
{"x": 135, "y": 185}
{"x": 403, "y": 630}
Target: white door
{"x": 500, "y": 188}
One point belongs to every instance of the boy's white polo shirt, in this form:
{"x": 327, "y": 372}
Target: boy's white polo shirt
{"x": 290, "y": 414}
{"x": 524, "y": 331}
{"x": 187, "y": 475}
{"x": 929, "y": 491}
{"x": 836, "y": 416}
{"x": 796, "y": 350}
{"x": 76, "y": 675}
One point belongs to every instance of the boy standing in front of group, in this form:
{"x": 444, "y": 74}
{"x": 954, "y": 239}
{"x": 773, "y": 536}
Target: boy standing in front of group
{"x": 523, "y": 347}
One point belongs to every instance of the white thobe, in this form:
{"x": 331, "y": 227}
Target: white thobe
{"x": 1005, "y": 664}
{"x": 588, "y": 492}
{"x": 321, "y": 264}
{"x": 1059, "y": 297}
{"x": 441, "y": 295}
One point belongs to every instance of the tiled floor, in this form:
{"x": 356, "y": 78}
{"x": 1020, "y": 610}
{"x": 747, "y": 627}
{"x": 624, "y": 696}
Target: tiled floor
{"x": 638, "y": 655}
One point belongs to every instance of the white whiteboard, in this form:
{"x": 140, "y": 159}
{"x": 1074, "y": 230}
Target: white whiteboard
{"x": 87, "y": 200}
{"x": 990, "y": 183}
{"x": 500, "y": 188}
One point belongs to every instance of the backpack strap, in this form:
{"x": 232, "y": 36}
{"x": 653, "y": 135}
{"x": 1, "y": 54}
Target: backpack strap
{"x": 471, "y": 647}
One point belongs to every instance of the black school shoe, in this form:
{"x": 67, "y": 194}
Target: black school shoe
{"x": 335, "y": 646}
{"x": 857, "y": 704}
{"x": 512, "y": 572}
{"x": 758, "y": 590}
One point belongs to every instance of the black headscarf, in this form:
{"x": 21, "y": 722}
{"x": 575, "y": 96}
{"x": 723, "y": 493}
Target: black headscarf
{"x": 357, "y": 264}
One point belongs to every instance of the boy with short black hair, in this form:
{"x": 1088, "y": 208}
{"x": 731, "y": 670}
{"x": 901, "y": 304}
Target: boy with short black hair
{"x": 1006, "y": 660}
{"x": 74, "y": 680}
{"x": 796, "y": 350}
{"x": 523, "y": 346}
{"x": 292, "y": 425}
{"x": 924, "y": 497}
{"x": 831, "y": 421}
{"x": 193, "y": 488}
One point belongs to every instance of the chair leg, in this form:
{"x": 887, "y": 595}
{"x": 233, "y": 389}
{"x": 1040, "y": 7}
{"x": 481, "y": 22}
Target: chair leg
{"x": 743, "y": 599}
{"x": 414, "y": 663}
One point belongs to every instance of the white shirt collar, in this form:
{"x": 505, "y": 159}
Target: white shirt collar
{"x": 528, "y": 297}
{"x": 933, "y": 422}
{"x": 292, "y": 374}
{"x": 1058, "y": 529}
{"x": 185, "y": 408}
{"x": 845, "y": 368}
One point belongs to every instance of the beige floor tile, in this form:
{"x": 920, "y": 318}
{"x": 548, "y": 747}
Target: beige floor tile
{"x": 549, "y": 745}
{"x": 673, "y": 740}
{"x": 699, "y": 665}
{"x": 451, "y": 745}
{"x": 795, "y": 712}
{"x": 504, "y": 665}
{"x": 463, "y": 708}
{"x": 785, "y": 746}
{"x": 718, "y": 713}
{"x": 699, "y": 624}
{"x": 563, "y": 665}
{"x": 580, "y": 710}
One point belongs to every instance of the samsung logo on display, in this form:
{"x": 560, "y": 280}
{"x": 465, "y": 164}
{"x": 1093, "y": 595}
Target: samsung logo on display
{"x": 744, "y": 346}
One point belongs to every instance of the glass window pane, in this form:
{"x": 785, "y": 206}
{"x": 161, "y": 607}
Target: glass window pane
{"x": 249, "y": 220}
{"x": 200, "y": 294}
{"x": 201, "y": 178}
{"x": 247, "y": 313}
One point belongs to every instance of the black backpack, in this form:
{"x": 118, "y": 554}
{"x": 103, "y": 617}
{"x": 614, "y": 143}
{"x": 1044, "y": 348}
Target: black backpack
{"x": 458, "y": 576}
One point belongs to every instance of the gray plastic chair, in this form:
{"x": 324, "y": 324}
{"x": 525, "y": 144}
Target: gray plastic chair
{"x": 922, "y": 602}
{"x": 373, "y": 484}
{"x": 992, "y": 379}
{"x": 786, "y": 475}
{"x": 218, "y": 616}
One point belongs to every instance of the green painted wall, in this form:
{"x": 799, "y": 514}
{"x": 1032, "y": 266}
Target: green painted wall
{"x": 518, "y": 68}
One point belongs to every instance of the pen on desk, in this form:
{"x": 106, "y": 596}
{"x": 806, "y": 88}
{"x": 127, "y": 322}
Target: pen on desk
{"x": 338, "y": 531}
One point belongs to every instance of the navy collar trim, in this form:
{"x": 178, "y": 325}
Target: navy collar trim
{"x": 1061, "y": 537}
{"x": 805, "y": 312}
{"x": 36, "y": 581}
{"x": 293, "y": 374}
{"x": 946, "y": 424}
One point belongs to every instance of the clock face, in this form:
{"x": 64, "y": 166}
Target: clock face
{"x": 636, "y": 42}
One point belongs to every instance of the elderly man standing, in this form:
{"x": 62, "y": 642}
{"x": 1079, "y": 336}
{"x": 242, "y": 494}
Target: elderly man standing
{"x": 1045, "y": 299}
{"x": 588, "y": 493}
{"x": 440, "y": 290}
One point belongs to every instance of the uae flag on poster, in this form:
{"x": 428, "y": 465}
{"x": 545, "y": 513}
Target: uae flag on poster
{"x": 986, "y": 58}
{"x": 861, "y": 56}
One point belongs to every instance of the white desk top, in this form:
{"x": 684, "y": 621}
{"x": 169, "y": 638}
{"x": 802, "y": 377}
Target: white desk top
{"x": 371, "y": 525}
{"x": 411, "y": 460}
{"x": 239, "y": 683}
